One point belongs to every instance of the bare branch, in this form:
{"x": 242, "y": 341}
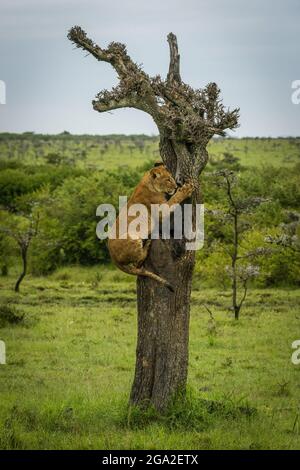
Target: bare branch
{"x": 110, "y": 100}
{"x": 209, "y": 311}
{"x": 115, "y": 54}
{"x": 174, "y": 67}
{"x": 259, "y": 251}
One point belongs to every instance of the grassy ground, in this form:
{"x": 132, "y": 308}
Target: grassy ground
{"x": 70, "y": 365}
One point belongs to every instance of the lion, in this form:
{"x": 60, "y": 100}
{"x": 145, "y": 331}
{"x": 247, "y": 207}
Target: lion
{"x": 128, "y": 252}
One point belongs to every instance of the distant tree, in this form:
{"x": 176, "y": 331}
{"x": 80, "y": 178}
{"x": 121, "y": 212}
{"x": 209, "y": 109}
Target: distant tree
{"x": 53, "y": 158}
{"x": 233, "y": 219}
{"x": 140, "y": 145}
{"x": 22, "y": 229}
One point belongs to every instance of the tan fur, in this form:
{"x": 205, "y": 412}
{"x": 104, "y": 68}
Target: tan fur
{"x": 129, "y": 254}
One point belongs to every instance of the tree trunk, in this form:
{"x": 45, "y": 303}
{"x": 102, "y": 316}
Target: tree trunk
{"x": 163, "y": 316}
{"x": 23, "y": 274}
{"x": 234, "y": 260}
{"x": 163, "y": 326}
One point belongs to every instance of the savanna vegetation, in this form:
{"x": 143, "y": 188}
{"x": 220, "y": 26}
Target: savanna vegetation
{"x": 70, "y": 331}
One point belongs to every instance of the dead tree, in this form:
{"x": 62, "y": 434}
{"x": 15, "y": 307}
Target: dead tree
{"x": 186, "y": 120}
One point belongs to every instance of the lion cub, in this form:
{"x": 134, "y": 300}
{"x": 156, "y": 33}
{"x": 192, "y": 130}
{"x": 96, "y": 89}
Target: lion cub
{"x": 129, "y": 253}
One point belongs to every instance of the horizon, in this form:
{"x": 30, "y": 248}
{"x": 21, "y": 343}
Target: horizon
{"x": 150, "y": 136}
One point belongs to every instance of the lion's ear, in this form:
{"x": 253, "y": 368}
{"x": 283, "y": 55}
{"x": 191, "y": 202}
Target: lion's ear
{"x": 158, "y": 164}
{"x": 155, "y": 173}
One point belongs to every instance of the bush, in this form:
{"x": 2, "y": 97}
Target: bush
{"x": 10, "y": 315}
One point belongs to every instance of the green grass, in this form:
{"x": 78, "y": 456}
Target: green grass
{"x": 70, "y": 365}
{"x": 258, "y": 152}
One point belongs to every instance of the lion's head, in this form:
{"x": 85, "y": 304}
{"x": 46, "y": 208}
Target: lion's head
{"x": 162, "y": 180}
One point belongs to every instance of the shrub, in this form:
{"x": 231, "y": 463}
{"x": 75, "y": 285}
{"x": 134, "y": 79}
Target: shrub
{"x": 10, "y": 315}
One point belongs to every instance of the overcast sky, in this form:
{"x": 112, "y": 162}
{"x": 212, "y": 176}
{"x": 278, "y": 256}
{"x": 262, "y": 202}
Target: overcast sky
{"x": 250, "y": 48}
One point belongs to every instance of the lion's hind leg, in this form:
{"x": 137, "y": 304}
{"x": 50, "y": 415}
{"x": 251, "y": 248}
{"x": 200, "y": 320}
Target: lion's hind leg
{"x": 146, "y": 246}
{"x": 143, "y": 251}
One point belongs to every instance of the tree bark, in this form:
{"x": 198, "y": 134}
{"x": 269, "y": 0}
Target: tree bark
{"x": 163, "y": 317}
{"x": 163, "y": 327}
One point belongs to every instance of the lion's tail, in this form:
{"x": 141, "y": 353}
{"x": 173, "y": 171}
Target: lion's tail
{"x": 130, "y": 269}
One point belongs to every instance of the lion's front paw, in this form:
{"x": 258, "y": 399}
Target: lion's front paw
{"x": 187, "y": 189}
